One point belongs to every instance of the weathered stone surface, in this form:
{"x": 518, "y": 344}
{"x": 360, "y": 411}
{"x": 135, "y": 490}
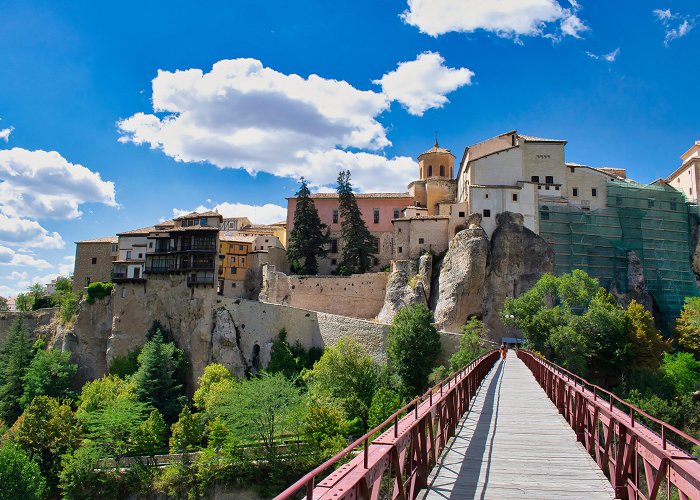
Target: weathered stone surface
{"x": 474, "y": 220}
{"x": 460, "y": 291}
{"x": 408, "y": 283}
{"x": 695, "y": 257}
{"x": 518, "y": 258}
{"x": 225, "y": 343}
{"x": 88, "y": 338}
{"x": 636, "y": 285}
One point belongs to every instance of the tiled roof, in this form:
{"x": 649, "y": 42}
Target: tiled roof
{"x": 321, "y": 196}
{"x": 145, "y": 230}
{"x": 539, "y": 139}
{"x": 105, "y": 239}
{"x": 280, "y": 223}
{"x": 233, "y": 236}
{"x": 193, "y": 215}
{"x": 181, "y": 229}
{"x": 436, "y": 149}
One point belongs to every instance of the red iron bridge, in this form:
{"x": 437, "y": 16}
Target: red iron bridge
{"x": 519, "y": 428}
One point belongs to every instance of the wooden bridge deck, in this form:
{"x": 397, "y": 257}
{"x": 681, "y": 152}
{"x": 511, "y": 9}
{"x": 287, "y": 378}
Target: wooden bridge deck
{"x": 514, "y": 444}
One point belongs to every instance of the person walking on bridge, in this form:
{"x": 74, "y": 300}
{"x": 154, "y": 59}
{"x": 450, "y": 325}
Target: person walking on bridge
{"x": 504, "y": 351}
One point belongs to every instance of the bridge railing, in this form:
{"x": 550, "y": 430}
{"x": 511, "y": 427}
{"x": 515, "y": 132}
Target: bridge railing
{"x": 640, "y": 462}
{"x": 396, "y": 457}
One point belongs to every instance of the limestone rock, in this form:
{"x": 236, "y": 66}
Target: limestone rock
{"x": 695, "y": 258}
{"x": 518, "y": 258}
{"x": 636, "y": 285}
{"x": 225, "y": 343}
{"x": 460, "y": 291}
{"x": 474, "y": 220}
{"x": 409, "y": 283}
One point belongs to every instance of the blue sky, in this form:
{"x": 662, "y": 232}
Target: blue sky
{"x": 233, "y": 127}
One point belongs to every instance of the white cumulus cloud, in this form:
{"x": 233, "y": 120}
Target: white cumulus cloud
{"x": 421, "y": 84}
{"x": 19, "y": 232}
{"x": 9, "y": 257}
{"x": 675, "y": 25}
{"x": 505, "y": 18}
{"x": 268, "y": 213}
{"x": 244, "y": 115}
{"x": 610, "y": 56}
{"x": 43, "y": 184}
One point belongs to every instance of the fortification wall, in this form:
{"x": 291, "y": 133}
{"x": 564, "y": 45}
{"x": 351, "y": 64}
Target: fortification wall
{"x": 359, "y": 295}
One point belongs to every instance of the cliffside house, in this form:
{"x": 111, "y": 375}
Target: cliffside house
{"x": 234, "y": 223}
{"x": 686, "y": 177}
{"x": 189, "y": 246}
{"x": 133, "y": 247}
{"x": 93, "y": 261}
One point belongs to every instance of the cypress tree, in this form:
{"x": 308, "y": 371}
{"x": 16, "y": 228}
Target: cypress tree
{"x": 358, "y": 242}
{"x": 309, "y": 234}
{"x": 15, "y": 357}
{"x": 154, "y": 381}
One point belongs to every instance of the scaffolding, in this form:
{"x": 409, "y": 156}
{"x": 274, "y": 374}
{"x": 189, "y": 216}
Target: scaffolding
{"x": 654, "y": 222}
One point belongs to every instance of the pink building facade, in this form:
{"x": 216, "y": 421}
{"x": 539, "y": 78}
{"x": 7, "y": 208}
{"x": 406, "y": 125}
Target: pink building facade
{"x": 378, "y": 212}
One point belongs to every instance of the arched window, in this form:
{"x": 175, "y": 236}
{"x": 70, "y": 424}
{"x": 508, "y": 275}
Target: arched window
{"x": 442, "y": 170}
{"x": 430, "y": 170}
{"x": 421, "y": 172}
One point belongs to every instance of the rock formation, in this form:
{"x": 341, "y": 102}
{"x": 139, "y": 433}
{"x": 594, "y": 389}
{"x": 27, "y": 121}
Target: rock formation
{"x": 519, "y": 257}
{"x": 636, "y": 285}
{"x": 408, "y": 283}
{"x": 460, "y": 286}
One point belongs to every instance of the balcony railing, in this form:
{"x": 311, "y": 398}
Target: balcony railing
{"x": 187, "y": 247}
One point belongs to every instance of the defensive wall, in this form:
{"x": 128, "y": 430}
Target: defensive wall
{"x": 359, "y": 295}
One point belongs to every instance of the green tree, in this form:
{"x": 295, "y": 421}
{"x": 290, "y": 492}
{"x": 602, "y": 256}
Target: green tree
{"x": 262, "y": 409}
{"x": 79, "y": 479}
{"x": 149, "y": 439}
{"x": 114, "y": 425}
{"x": 347, "y": 373}
{"x": 384, "y": 403}
{"x": 213, "y": 374}
{"x": 50, "y": 373}
{"x": 47, "y": 429}
{"x": 187, "y": 432}
{"x": 154, "y": 383}
{"x": 682, "y": 370}
{"x": 3, "y": 304}
{"x": 100, "y": 393}
{"x": 469, "y": 343}
{"x": 308, "y": 235}
{"x": 324, "y": 428}
{"x": 15, "y": 357}
{"x": 648, "y": 346}
{"x": 24, "y": 302}
{"x": 281, "y": 356}
{"x": 358, "y": 243}
{"x": 688, "y": 326}
{"x": 20, "y": 477}
{"x": 412, "y": 346}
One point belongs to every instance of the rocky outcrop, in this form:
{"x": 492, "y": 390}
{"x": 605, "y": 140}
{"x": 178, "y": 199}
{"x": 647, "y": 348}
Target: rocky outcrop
{"x": 518, "y": 258}
{"x": 409, "y": 283}
{"x": 460, "y": 285}
{"x": 636, "y": 285}
{"x": 695, "y": 257}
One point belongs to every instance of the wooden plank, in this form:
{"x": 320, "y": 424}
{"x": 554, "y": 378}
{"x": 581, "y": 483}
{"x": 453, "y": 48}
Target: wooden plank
{"x": 513, "y": 443}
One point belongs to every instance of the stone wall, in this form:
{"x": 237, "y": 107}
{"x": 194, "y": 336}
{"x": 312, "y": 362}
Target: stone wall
{"x": 359, "y": 295}
{"x": 40, "y": 323}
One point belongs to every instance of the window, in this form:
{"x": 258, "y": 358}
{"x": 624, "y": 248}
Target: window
{"x": 240, "y": 247}
{"x": 549, "y": 179}
{"x": 376, "y": 216}
{"x": 397, "y": 213}
{"x": 334, "y": 246}
{"x": 442, "y": 170}
{"x": 128, "y": 255}
{"x": 335, "y": 216}
{"x": 150, "y": 244}
{"x": 94, "y": 260}
{"x": 140, "y": 256}
{"x": 546, "y": 187}
{"x": 241, "y": 261}
{"x": 535, "y": 178}
{"x": 233, "y": 260}
{"x": 486, "y": 196}
{"x": 376, "y": 246}
{"x": 334, "y": 262}
{"x": 461, "y": 214}
{"x": 233, "y": 270}
{"x": 575, "y": 192}
{"x": 203, "y": 222}
{"x": 487, "y": 212}
{"x": 233, "y": 285}
{"x": 515, "y": 196}
{"x": 421, "y": 241}
{"x": 539, "y": 186}
{"x": 267, "y": 241}
{"x": 594, "y": 192}
{"x": 400, "y": 249}
{"x": 556, "y": 188}
{"x": 430, "y": 170}
{"x": 115, "y": 247}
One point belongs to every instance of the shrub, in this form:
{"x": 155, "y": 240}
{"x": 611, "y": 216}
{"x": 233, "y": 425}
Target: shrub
{"x": 98, "y": 291}
{"x": 123, "y": 366}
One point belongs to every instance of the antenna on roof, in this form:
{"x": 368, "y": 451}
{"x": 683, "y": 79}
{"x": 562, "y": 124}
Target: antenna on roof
{"x": 436, "y": 141}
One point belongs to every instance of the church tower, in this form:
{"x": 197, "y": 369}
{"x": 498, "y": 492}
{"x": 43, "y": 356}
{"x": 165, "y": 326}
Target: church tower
{"x": 435, "y": 186}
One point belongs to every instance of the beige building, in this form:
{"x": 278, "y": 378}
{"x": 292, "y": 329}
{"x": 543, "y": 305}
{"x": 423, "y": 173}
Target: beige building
{"x": 93, "y": 261}
{"x": 685, "y": 178}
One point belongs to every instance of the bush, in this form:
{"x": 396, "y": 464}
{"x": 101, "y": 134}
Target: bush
{"x": 469, "y": 344}
{"x": 20, "y": 477}
{"x": 187, "y": 432}
{"x": 123, "y": 366}
{"x": 68, "y": 306}
{"x": 98, "y": 291}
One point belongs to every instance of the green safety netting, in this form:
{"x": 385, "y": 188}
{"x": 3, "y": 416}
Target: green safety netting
{"x": 654, "y": 222}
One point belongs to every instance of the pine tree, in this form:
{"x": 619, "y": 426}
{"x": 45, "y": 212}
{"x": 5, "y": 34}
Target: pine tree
{"x": 358, "y": 242}
{"x": 309, "y": 234}
{"x": 154, "y": 382}
{"x": 15, "y": 357}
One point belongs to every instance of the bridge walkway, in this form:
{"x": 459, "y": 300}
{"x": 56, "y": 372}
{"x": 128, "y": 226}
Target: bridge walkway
{"x": 513, "y": 443}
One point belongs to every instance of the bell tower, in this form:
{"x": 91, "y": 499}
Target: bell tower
{"x": 437, "y": 163}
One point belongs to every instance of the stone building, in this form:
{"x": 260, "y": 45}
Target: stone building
{"x": 93, "y": 261}
{"x": 686, "y": 177}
